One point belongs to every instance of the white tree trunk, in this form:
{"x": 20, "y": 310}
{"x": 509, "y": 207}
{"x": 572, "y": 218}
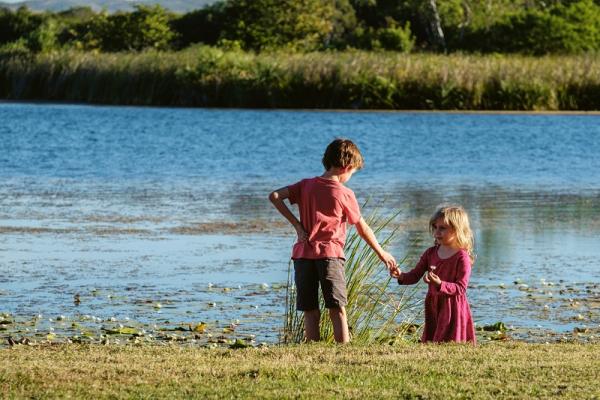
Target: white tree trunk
{"x": 435, "y": 26}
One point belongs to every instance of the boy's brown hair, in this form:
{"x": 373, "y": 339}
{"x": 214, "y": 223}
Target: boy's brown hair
{"x": 342, "y": 153}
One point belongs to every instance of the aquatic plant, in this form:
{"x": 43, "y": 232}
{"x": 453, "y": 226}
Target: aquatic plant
{"x": 375, "y": 301}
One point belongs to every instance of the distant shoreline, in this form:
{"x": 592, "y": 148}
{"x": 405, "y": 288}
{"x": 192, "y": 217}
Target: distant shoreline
{"x": 339, "y": 110}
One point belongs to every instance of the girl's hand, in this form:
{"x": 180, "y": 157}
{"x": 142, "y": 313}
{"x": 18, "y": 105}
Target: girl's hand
{"x": 431, "y": 277}
{"x": 302, "y": 235}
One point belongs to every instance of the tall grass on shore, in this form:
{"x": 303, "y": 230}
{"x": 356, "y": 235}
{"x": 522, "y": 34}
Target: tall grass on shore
{"x": 375, "y": 301}
{"x": 205, "y": 76}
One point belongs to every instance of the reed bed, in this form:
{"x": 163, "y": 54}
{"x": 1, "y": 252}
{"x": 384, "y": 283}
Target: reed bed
{"x": 203, "y": 76}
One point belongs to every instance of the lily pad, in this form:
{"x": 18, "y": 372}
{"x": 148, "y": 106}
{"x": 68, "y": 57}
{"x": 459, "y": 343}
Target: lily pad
{"x": 126, "y": 330}
{"x": 498, "y": 326}
{"x": 239, "y": 344}
{"x": 200, "y": 328}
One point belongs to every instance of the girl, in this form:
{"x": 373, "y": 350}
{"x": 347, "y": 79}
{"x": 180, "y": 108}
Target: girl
{"x": 447, "y": 268}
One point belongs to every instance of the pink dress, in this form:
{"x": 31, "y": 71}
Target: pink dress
{"x": 447, "y": 312}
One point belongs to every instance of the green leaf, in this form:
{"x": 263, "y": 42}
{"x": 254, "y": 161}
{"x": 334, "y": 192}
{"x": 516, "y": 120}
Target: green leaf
{"x": 239, "y": 344}
{"x": 498, "y": 326}
{"x": 121, "y": 331}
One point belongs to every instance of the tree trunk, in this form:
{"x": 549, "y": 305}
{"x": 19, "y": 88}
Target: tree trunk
{"x": 435, "y": 26}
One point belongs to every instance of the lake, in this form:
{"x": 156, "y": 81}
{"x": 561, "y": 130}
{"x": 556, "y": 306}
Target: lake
{"x": 158, "y": 218}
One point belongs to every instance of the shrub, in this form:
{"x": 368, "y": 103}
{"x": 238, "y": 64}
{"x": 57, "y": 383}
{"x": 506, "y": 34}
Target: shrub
{"x": 573, "y": 28}
{"x": 397, "y": 38}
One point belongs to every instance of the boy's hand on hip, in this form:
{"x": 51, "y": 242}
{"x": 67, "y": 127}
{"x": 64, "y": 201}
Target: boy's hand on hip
{"x": 302, "y": 235}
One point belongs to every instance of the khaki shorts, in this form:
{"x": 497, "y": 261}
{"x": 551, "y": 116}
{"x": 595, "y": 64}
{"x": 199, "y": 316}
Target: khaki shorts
{"x": 329, "y": 273}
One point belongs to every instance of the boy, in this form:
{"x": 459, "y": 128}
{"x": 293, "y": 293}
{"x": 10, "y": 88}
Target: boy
{"x": 325, "y": 206}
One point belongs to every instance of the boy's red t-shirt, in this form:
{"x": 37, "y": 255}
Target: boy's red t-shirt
{"x": 325, "y": 207}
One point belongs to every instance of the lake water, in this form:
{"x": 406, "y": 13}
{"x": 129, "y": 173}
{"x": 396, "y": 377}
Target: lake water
{"x": 158, "y": 218}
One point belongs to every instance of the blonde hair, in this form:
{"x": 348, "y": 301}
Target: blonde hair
{"x": 457, "y": 218}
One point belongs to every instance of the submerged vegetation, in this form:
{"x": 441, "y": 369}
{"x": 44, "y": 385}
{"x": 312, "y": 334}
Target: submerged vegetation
{"x": 212, "y": 77}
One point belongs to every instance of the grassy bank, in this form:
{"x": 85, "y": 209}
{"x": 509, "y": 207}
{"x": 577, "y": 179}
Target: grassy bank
{"x": 204, "y": 76}
{"x": 502, "y": 370}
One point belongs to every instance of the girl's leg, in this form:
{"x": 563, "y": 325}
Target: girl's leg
{"x": 311, "y": 325}
{"x": 340, "y": 324}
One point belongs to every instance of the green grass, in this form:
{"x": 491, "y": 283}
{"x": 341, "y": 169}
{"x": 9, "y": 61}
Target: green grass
{"x": 499, "y": 370}
{"x": 204, "y": 76}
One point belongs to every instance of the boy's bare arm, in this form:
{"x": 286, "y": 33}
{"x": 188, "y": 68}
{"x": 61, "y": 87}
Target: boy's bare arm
{"x": 277, "y": 198}
{"x": 365, "y": 232}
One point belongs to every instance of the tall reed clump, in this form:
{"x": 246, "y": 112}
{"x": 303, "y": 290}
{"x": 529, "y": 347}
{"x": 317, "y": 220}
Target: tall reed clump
{"x": 203, "y": 76}
{"x": 375, "y": 301}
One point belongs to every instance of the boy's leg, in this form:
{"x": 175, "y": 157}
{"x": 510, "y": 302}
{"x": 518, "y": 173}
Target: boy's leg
{"x": 306, "y": 278}
{"x": 340, "y": 324}
{"x": 333, "y": 284}
{"x": 311, "y": 325}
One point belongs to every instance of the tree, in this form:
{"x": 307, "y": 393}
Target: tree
{"x": 17, "y": 25}
{"x": 264, "y": 24}
{"x": 146, "y": 27}
{"x": 434, "y": 23}
{"x": 200, "y": 26}
{"x": 44, "y": 37}
{"x": 150, "y": 28}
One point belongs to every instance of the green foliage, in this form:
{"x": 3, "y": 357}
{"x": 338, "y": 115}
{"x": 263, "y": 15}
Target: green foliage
{"x": 200, "y": 26}
{"x": 17, "y": 25}
{"x": 207, "y": 76}
{"x": 44, "y": 37}
{"x": 89, "y": 34}
{"x": 560, "y": 28}
{"x": 504, "y": 26}
{"x": 498, "y": 326}
{"x": 393, "y": 38}
{"x": 14, "y": 50}
{"x": 150, "y": 28}
{"x": 269, "y": 24}
{"x": 397, "y": 38}
{"x": 146, "y": 27}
